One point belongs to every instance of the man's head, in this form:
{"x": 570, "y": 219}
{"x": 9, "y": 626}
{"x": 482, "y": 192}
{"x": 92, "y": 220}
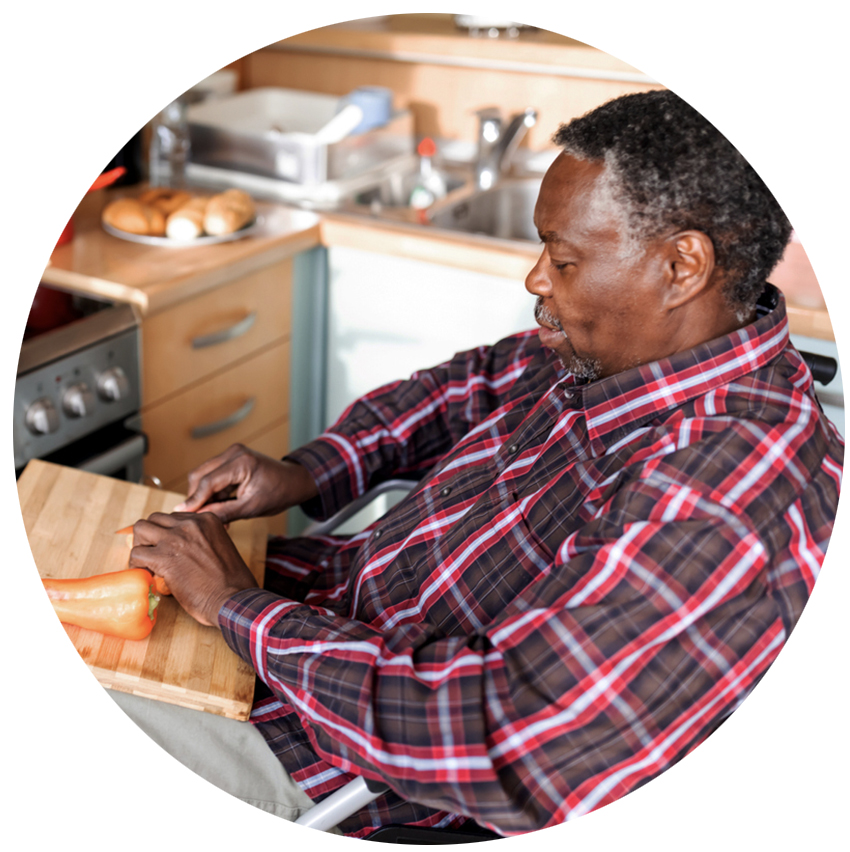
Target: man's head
{"x": 657, "y": 235}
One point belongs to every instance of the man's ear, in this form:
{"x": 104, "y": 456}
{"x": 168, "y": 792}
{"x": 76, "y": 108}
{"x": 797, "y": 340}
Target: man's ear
{"x": 690, "y": 255}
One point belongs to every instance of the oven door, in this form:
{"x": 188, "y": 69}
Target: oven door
{"x": 123, "y": 461}
{"x": 116, "y": 450}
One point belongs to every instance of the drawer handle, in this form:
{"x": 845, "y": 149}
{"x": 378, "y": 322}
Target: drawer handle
{"x": 231, "y": 420}
{"x": 225, "y": 334}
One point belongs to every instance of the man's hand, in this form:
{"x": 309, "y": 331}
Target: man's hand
{"x": 241, "y": 483}
{"x": 196, "y": 557}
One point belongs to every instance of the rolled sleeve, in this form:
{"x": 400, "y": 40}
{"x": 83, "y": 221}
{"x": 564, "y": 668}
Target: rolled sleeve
{"x": 244, "y": 621}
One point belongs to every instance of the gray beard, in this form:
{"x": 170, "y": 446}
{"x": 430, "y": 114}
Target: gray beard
{"x": 588, "y": 369}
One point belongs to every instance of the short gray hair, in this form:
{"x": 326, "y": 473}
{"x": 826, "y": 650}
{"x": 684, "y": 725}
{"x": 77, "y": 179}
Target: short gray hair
{"x": 672, "y": 169}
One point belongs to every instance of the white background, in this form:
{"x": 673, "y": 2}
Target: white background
{"x": 79, "y": 78}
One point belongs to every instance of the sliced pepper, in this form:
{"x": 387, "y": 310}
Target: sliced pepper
{"x": 121, "y": 603}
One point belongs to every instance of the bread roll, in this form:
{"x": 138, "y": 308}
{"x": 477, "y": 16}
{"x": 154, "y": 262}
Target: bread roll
{"x": 157, "y": 221}
{"x": 228, "y": 212}
{"x": 187, "y": 223}
{"x": 131, "y": 215}
{"x": 164, "y": 199}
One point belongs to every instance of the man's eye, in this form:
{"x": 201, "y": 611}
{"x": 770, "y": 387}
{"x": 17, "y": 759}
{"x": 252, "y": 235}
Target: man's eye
{"x": 553, "y": 263}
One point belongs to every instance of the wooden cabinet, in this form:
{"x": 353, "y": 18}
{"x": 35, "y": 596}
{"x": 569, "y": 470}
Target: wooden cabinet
{"x": 215, "y": 371}
{"x": 201, "y": 336}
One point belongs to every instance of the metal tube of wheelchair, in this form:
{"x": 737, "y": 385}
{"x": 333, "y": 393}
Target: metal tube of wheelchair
{"x": 339, "y": 805}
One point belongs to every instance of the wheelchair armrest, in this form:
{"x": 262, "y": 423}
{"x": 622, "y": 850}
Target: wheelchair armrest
{"x": 341, "y": 804}
{"x": 349, "y": 511}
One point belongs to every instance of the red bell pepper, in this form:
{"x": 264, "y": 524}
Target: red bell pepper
{"x": 121, "y": 603}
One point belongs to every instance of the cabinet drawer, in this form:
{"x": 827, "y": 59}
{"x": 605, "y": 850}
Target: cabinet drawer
{"x": 272, "y": 442}
{"x": 189, "y": 428}
{"x": 202, "y": 336}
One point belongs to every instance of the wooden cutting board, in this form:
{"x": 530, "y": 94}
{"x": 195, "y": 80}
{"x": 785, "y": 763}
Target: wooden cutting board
{"x": 71, "y": 518}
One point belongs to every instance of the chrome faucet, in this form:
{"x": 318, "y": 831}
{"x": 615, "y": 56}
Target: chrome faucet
{"x": 496, "y": 145}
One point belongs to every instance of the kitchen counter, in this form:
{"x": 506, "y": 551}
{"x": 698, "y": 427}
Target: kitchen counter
{"x": 153, "y": 278}
{"x": 505, "y": 258}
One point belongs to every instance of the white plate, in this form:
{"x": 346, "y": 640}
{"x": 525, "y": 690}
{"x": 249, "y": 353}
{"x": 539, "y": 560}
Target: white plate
{"x": 205, "y": 240}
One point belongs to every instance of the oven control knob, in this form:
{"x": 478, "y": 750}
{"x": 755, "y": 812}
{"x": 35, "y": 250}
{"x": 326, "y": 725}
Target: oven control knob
{"x": 112, "y": 385}
{"x": 42, "y": 418}
{"x": 78, "y": 400}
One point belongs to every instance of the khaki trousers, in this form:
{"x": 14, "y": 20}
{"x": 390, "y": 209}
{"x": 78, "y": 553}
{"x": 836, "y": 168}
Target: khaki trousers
{"x": 232, "y": 755}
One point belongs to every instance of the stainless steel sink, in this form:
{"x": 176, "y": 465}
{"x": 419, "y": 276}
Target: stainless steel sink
{"x": 394, "y": 190}
{"x": 506, "y": 211}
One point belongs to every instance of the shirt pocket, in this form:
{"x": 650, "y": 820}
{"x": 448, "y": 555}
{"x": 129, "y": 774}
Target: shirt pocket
{"x": 549, "y": 515}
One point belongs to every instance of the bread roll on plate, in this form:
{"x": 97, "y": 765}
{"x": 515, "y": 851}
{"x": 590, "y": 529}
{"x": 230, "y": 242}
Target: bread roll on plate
{"x": 131, "y": 215}
{"x": 166, "y": 200}
{"x": 187, "y": 223}
{"x": 228, "y": 212}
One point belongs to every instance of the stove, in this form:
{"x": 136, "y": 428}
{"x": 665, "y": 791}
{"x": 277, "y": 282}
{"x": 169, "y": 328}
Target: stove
{"x": 77, "y": 393}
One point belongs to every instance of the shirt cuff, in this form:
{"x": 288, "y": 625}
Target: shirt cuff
{"x": 333, "y": 463}
{"x": 245, "y": 619}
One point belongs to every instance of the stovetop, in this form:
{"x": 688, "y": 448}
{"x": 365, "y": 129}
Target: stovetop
{"x": 76, "y": 379}
{"x": 93, "y": 321}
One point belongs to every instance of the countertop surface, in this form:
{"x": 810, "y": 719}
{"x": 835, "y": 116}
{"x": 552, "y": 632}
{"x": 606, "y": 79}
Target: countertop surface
{"x": 154, "y": 277}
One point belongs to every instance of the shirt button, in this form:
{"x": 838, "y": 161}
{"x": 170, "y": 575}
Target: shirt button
{"x": 513, "y": 449}
{"x": 446, "y": 491}
{"x": 376, "y": 534}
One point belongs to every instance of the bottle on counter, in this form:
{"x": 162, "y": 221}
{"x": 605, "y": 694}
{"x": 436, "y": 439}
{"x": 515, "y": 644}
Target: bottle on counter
{"x": 429, "y": 184}
{"x": 169, "y": 146}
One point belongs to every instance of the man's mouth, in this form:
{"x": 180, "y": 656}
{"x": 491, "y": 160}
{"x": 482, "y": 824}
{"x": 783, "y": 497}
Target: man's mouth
{"x": 551, "y": 331}
{"x": 553, "y": 336}
{"x": 545, "y": 318}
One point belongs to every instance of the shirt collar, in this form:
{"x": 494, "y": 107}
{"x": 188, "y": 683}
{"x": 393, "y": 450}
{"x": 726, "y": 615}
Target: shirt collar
{"x": 616, "y": 405}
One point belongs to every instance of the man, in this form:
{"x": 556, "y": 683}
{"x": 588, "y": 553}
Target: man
{"x": 618, "y": 521}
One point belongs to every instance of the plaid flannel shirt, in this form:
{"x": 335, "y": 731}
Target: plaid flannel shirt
{"x": 588, "y": 579}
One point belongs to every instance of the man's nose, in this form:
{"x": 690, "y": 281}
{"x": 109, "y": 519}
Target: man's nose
{"x": 537, "y": 282}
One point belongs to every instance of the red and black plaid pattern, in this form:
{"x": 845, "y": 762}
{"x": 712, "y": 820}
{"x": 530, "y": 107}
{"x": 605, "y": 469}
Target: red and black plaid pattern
{"x": 587, "y": 580}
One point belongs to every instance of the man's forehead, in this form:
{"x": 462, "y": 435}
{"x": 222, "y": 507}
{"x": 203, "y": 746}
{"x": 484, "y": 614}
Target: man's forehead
{"x": 575, "y": 199}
